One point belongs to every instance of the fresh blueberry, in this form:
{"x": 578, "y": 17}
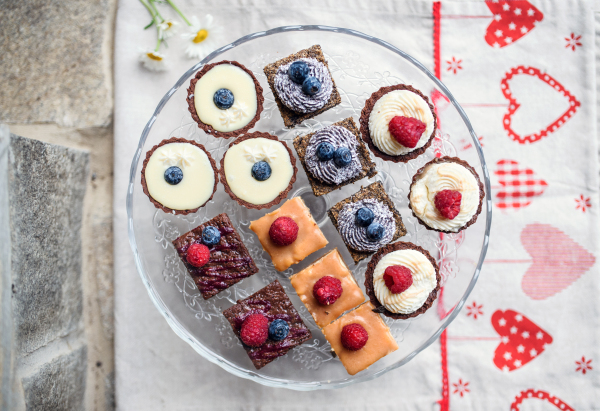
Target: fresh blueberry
{"x": 342, "y": 157}
{"x": 173, "y": 175}
{"x": 311, "y": 86}
{"x": 211, "y": 235}
{"x": 261, "y": 171}
{"x": 223, "y": 98}
{"x": 278, "y": 330}
{"x": 298, "y": 71}
{"x": 364, "y": 217}
{"x": 325, "y": 151}
{"x": 375, "y": 232}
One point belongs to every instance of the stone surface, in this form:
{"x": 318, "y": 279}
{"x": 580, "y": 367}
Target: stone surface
{"x": 58, "y": 385}
{"x": 54, "y": 65}
{"x": 46, "y": 189}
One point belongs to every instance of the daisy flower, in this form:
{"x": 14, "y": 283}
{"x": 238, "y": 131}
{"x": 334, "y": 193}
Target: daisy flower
{"x": 153, "y": 60}
{"x": 203, "y": 36}
{"x": 167, "y": 28}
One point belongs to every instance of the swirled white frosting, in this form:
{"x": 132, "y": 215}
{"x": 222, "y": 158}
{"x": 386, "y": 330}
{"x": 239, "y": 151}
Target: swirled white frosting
{"x": 398, "y": 103}
{"x": 444, "y": 176}
{"x": 413, "y": 298}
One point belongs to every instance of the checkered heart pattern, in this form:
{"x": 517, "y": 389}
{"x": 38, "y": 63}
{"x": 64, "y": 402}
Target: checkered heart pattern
{"x": 518, "y": 185}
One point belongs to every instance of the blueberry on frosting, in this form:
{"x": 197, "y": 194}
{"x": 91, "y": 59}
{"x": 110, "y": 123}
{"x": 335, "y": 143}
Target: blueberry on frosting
{"x": 223, "y": 98}
{"x": 211, "y": 235}
{"x": 173, "y": 175}
{"x": 261, "y": 170}
{"x": 325, "y": 151}
{"x": 298, "y": 71}
{"x": 375, "y": 231}
{"x": 364, "y": 217}
{"x": 379, "y": 232}
{"x": 311, "y": 86}
{"x": 342, "y": 157}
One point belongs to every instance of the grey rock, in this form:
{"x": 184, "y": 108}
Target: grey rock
{"x": 46, "y": 186}
{"x": 58, "y": 385}
{"x": 55, "y": 64}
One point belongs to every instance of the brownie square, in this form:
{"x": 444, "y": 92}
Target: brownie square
{"x": 331, "y": 264}
{"x": 273, "y": 303}
{"x": 293, "y": 118}
{"x": 368, "y": 166}
{"x": 380, "y": 342}
{"x": 229, "y": 262}
{"x": 374, "y": 191}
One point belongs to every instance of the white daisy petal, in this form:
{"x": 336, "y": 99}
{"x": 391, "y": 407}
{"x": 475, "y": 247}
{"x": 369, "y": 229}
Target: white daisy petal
{"x": 153, "y": 60}
{"x": 203, "y": 36}
{"x": 167, "y": 29}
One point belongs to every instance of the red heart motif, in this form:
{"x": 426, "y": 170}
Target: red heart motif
{"x": 512, "y": 20}
{"x": 521, "y": 340}
{"x": 514, "y": 105}
{"x": 519, "y": 185}
{"x": 558, "y": 261}
{"x": 542, "y": 395}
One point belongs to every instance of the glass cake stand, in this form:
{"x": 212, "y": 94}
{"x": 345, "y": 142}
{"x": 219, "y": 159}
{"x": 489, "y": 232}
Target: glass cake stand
{"x": 360, "y": 64}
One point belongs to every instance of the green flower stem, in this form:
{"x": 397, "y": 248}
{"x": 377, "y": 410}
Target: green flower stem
{"x": 178, "y": 12}
{"x": 148, "y": 8}
{"x": 158, "y": 44}
{"x": 156, "y": 10}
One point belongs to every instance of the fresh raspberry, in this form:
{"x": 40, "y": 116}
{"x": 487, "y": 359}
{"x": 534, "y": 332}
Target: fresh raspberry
{"x": 198, "y": 255}
{"x": 255, "y": 330}
{"x": 397, "y": 278}
{"x": 354, "y": 336}
{"x": 327, "y": 290}
{"x": 407, "y": 130}
{"x": 283, "y": 231}
{"x": 448, "y": 203}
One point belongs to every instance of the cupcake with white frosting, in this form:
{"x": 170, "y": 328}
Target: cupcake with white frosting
{"x": 398, "y": 123}
{"x": 446, "y": 195}
{"x": 402, "y": 280}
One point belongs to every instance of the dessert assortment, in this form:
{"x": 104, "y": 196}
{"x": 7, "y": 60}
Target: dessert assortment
{"x": 402, "y": 279}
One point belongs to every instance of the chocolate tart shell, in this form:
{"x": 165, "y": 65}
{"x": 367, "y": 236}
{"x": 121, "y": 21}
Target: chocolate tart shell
{"x": 145, "y": 186}
{"x": 281, "y": 195}
{"x": 366, "y": 134}
{"x": 293, "y": 118}
{"x": 400, "y": 245}
{"x": 468, "y": 167}
{"x": 208, "y": 128}
{"x": 368, "y": 166}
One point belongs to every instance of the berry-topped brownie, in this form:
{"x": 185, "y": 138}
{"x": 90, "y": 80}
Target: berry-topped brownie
{"x": 334, "y": 156}
{"x": 398, "y": 123}
{"x": 302, "y": 85}
{"x": 446, "y": 195}
{"x": 267, "y": 324}
{"x": 289, "y": 234}
{"x": 327, "y": 288}
{"x": 402, "y": 280}
{"x": 215, "y": 256}
{"x": 367, "y": 221}
{"x": 225, "y": 99}
{"x": 258, "y": 170}
{"x": 360, "y": 338}
{"x": 179, "y": 176}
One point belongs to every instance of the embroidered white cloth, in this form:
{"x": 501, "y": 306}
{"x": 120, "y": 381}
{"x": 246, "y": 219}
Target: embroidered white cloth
{"x": 529, "y": 334}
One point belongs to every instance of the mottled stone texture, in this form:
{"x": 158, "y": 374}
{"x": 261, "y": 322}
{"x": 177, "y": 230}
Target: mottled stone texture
{"x": 52, "y": 67}
{"x": 46, "y": 188}
{"x": 58, "y": 385}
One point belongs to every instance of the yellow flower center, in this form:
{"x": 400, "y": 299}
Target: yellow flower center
{"x": 169, "y": 24}
{"x": 153, "y": 56}
{"x": 201, "y": 36}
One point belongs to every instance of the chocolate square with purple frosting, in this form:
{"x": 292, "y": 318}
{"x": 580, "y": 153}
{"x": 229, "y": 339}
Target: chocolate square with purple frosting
{"x": 229, "y": 261}
{"x": 273, "y": 303}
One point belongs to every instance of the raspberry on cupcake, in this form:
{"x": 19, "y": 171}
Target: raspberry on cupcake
{"x": 398, "y": 123}
{"x": 446, "y": 195}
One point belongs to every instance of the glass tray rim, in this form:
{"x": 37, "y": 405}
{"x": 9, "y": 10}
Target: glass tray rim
{"x": 224, "y": 363}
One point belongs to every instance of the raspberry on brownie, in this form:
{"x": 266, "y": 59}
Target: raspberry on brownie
{"x": 330, "y": 265}
{"x": 360, "y": 338}
{"x": 228, "y": 260}
{"x": 259, "y": 323}
{"x": 277, "y": 229}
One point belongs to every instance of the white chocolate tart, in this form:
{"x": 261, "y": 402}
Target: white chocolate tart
{"x": 236, "y": 170}
{"x": 197, "y": 184}
{"x": 247, "y": 105}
